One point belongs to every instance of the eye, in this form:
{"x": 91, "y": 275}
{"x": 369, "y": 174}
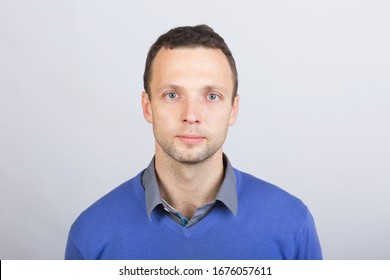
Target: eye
{"x": 171, "y": 95}
{"x": 212, "y": 96}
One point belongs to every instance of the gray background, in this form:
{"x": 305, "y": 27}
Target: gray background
{"x": 314, "y": 114}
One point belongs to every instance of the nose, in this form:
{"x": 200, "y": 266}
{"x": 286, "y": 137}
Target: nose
{"x": 191, "y": 112}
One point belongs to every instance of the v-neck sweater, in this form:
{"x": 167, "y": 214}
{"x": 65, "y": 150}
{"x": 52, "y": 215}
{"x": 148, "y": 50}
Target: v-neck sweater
{"x": 270, "y": 224}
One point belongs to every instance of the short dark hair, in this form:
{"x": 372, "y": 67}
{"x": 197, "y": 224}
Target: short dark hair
{"x": 190, "y": 37}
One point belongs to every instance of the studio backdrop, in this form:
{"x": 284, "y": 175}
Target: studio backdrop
{"x": 314, "y": 113}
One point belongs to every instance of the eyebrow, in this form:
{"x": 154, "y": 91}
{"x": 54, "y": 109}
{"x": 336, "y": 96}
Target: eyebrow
{"x": 217, "y": 88}
{"x": 177, "y": 87}
{"x": 169, "y": 86}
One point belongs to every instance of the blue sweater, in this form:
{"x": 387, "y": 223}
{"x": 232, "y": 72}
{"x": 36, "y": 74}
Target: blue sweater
{"x": 270, "y": 224}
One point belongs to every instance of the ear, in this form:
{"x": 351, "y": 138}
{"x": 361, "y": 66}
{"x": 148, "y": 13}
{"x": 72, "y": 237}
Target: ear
{"x": 234, "y": 112}
{"x": 147, "y": 107}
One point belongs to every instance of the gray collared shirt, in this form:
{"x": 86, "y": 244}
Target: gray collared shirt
{"x": 227, "y": 194}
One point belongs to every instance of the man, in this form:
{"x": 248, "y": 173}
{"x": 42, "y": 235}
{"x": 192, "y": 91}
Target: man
{"x": 190, "y": 203}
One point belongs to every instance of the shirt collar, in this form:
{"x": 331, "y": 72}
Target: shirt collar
{"x": 227, "y": 193}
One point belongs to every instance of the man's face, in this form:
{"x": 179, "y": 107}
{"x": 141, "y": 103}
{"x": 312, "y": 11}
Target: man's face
{"x": 191, "y": 103}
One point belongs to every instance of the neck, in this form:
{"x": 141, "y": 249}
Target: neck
{"x": 188, "y": 186}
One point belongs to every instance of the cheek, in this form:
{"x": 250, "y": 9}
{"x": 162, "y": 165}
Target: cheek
{"x": 164, "y": 122}
{"x": 222, "y": 116}
{"x": 218, "y": 124}
{"x": 162, "y": 118}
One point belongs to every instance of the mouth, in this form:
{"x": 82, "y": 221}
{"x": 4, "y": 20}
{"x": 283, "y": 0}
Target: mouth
{"x": 190, "y": 138}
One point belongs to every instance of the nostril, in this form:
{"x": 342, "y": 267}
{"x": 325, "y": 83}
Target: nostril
{"x": 191, "y": 119}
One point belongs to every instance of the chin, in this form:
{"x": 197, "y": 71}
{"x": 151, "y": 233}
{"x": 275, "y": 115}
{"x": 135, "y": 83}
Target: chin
{"x": 192, "y": 158}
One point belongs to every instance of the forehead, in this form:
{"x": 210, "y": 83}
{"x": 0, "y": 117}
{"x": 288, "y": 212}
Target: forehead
{"x": 197, "y": 51}
{"x": 198, "y": 63}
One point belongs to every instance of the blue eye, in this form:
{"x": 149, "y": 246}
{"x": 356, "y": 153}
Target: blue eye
{"x": 171, "y": 95}
{"x": 212, "y": 96}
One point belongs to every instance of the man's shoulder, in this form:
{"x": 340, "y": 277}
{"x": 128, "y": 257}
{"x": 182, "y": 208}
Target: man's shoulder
{"x": 278, "y": 215}
{"x": 121, "y": 193}
{"x": 265, "y": 194}
{"x": 100, "y": 222}
{"x": 115, "y": 202}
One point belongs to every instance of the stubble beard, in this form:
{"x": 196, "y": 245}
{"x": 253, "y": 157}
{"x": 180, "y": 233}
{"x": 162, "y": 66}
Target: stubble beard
{"x": 190, "y": 154}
